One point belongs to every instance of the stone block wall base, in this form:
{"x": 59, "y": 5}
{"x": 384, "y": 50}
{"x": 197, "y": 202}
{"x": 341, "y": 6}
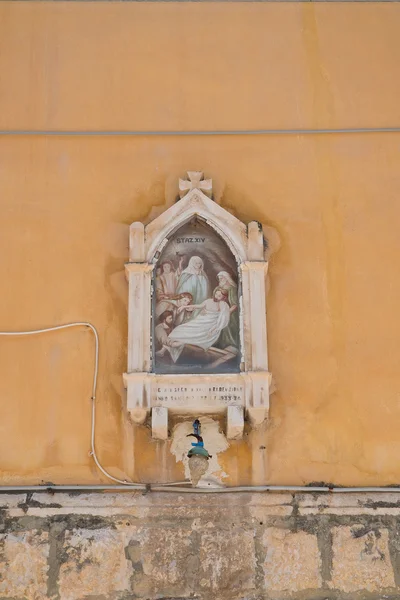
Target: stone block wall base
{"x": 235, "y": 546}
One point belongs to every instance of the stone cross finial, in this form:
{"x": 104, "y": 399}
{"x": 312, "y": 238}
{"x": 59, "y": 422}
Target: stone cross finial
{"x": 196, "y": 182}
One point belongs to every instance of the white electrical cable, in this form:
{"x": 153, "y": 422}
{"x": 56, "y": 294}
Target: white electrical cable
{"x": 116, "y": 132}
{"x": 94, "y": 387}
{"x": 166, "y": 487}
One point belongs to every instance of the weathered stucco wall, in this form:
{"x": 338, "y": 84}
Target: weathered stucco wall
{"x": 233, "y": 547}
{"x": 66, "y": 202}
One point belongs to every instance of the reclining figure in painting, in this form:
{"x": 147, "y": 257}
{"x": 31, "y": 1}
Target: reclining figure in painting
{"x": 204, "y": 329}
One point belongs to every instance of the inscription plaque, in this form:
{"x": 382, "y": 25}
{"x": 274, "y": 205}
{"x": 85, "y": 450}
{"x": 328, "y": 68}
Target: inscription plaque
{"x": 200, "y": 394}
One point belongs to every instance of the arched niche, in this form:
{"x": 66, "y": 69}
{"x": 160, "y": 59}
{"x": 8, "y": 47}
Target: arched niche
{"x": 196, "y": 298}
{"x": 234, "y": 386}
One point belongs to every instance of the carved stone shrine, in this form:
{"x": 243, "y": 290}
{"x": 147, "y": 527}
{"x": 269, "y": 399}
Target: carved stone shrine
{"x": 197, "y": 333}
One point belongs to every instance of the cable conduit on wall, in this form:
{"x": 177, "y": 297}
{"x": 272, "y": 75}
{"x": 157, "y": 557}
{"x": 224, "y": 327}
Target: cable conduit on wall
{"x": 60, "y": 132}
{"x": 94, "y": 385}
{"x": 169, "y": 487}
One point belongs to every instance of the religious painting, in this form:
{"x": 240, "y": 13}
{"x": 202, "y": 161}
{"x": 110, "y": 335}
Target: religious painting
{"x": 195, "y": 312}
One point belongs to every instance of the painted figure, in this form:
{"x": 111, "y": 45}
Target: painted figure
{"x": 167, "y": 281}
{"x": 158, "y": 284}
{"x": 203, "y": 333}
{"x": 204, "y": 329}
{"x": 162, "y": 330}
{"x": 230, "y": 334}
{"x": 173, "y": 304}
{"x": 194, "y": 280}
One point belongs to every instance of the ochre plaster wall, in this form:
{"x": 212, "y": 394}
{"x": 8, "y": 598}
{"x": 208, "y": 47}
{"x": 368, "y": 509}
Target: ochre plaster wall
{"x": 66, "y": 203}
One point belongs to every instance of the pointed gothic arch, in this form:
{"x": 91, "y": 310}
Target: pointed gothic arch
{"x": 246, "y": 387}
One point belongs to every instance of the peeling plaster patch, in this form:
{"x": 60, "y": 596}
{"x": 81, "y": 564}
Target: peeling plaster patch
{"x": 214, "y": 441}
{"x": 292, "y": 560}
{"x": 361, "y": 559}
{"x": 227, "y": 560}
{"x": 96, "y": 564}
{"x": 170, "y": 562}
{"x": 23, "y": 564}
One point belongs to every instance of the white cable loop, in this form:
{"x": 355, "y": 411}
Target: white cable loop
{"x": 94, "y": 387}
{"x": 166, "y": 487}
